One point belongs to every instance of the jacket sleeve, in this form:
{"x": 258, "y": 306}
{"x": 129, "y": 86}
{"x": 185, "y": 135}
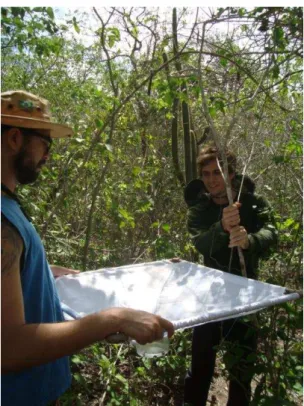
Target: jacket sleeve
{"x": 208, "y": 240}
{"x": 266, "y": 235}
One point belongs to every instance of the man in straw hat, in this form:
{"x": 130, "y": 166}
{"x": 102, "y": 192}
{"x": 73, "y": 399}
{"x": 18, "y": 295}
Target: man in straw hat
{"x": 35, "y": 340}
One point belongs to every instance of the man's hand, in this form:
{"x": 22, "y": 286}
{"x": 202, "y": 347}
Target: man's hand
{"x": 231, "y": 216}
{"x": 142, "y": 326}
{"x": 61, "y": 270}
{"x": 239, "y": 238}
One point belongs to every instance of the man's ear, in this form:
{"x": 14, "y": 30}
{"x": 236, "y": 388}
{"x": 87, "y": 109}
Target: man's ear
{"x": 14, "y": 139}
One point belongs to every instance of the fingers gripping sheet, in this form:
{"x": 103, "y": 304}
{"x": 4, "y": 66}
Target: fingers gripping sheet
{"x": 185, "y": 293}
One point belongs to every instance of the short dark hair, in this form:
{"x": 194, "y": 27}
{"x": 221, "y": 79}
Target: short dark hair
{"x": 210, "y": 153}
{"x": 5, "y": 127}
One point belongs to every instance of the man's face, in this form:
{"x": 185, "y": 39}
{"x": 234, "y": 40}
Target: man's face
{"x": 31, "y": 158}
{"x": 213, "y": 179}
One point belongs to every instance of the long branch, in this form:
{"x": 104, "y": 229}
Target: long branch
{"x": 219, "y": 147}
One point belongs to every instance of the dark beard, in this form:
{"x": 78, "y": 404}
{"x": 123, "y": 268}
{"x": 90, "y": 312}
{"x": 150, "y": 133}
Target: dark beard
{"x": 26, "y": 172}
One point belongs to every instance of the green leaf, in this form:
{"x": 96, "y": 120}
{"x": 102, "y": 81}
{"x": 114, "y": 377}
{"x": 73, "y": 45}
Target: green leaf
{"x": 77, "y": 360}
{"x": 219, "y": 105}
{"x": 223, "y": 62}
{"x": 127, "y": 216}
{"x": 275, "y": 71}
{"x": 114, "y": 36}
{"x": 140, "y": 371}
{"x": 212, "y": 111}
{"x": 104, "y": 362}
{"x": 168, "y": 98}
{"x": 50, "y": 12}
{"x": 136, "y": 170}
{"x": 121, "y": 378}
{"x": 289, "y": 222}
{"x": 166, "y": 227}
{"x": 76, "y": 27}
{"x": 98, "y": 123}
{"x": 79, "y": 378}
{"x": 278, "y": 35}
{"x": 298, "y": 387}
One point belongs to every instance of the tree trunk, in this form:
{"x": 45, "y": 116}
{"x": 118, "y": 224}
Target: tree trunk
{"x": 185, "y": 108}
{"x": 174, "y": 129}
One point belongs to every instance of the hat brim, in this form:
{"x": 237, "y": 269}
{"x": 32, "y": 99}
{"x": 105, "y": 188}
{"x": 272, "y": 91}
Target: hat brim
{"x": 56, "y": 130}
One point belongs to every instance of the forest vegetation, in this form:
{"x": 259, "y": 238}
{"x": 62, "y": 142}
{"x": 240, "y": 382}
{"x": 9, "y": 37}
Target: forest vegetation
{"x": 144, "y": 89}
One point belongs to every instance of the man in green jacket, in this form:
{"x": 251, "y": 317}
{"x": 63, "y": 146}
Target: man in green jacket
{"x": 216, "y": 229}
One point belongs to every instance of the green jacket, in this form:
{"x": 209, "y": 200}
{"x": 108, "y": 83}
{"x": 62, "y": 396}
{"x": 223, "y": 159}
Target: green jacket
{"x": 209, "y": 238}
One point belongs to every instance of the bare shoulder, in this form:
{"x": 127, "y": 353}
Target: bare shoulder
{"x": 11, "y": 246}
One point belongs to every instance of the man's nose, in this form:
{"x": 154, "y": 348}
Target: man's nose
{"x": 47, "y": 152}
{"x": 46, "y": 155}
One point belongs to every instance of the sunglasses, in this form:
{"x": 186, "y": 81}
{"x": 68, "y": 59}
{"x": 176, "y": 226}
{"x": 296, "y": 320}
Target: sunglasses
{"x": 47, "y": 140}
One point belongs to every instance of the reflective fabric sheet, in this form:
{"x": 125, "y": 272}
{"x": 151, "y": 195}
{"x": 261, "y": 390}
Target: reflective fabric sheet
{"x": 185, "y": 293}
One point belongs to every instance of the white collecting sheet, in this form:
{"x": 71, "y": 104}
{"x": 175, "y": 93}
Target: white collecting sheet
{"x": 185, "y": 293}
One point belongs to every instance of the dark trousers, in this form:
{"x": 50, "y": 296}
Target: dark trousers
{"x": 240, "y": 364}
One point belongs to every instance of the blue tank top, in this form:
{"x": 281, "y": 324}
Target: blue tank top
{"x": 36, "y": 386}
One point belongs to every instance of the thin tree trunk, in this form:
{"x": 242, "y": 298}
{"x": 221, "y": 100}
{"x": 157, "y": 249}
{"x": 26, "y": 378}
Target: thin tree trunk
{"x": 174, "y": 143}
{"x": 174, "y": 128}
{"x": 194, "y": 155}
{"x": 185, "y": 108}
{"x": 187, "y": 138}
{"x": 91, "y": 213}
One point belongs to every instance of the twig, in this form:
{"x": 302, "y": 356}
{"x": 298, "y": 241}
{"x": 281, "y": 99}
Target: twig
{"x": 244, "y": 172}
{"x": 221, "y": 150}
{"x": 101, "y": 401}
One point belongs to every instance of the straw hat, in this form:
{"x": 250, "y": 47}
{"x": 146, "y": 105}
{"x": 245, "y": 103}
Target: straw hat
{"x": 25, "y": 110}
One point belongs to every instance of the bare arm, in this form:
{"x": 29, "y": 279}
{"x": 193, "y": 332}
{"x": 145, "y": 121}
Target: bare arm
{"x": 58, "y": 270}
{"x": 26, "y": 345}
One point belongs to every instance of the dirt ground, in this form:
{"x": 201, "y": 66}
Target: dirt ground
{"x": 219, "y": 392}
